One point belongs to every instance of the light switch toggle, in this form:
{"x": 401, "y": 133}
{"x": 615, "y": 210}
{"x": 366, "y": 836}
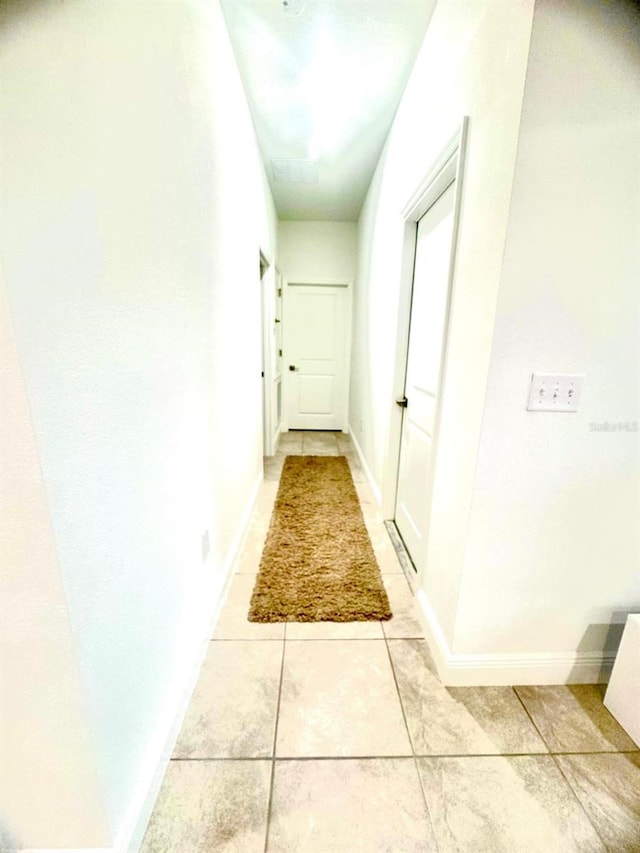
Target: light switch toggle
{"x": 555, "y": 392}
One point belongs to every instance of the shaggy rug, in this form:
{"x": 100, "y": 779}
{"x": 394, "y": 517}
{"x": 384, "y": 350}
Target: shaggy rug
{"x": 317, "y": 563}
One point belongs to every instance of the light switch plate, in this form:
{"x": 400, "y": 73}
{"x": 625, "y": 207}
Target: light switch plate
{"x": 555, "y": 392}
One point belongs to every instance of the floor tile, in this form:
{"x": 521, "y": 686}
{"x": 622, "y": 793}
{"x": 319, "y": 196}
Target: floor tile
{"x": 405, "y": 620}
{"x": 233, "y": 623}
{"x": 264, "y": 505}
{"x": 211, "y": 805}
{"x": 319, "y": 448}
{"x": 254, "y": 541}
{"x": 339, "y": 806}
{"x": 334, "y": 631}
{"x": 608, "y": 786}
{"x": 272, "y": 467}
{"x": 290, "y": 442}
{"x": 367, "y": 500}
{"x": 572, "y": 718}
{"x": 330, "y": 689}
{"x": 345, "y": 443}
{"x": 357, "y": 473}
{"x": 320, "y": 444}
{"x": 378, "y": 534}
{"x": 504, "y": 805}
{"x": 252, "y": 547}
{"x": 388, "y": 561}
{"x": 249, "y": 562}
{"x": 232, "y": 713}
{"x": 458, "y": 720}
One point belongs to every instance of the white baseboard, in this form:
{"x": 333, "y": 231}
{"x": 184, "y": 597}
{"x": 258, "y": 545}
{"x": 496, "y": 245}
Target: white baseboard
{"x": 367, "y": 471}
{"x": 132, "y": 833}
{"x": 457, "y": 670}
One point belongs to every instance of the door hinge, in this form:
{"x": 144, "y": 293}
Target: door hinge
{"x": 279, "y": 291}
{"x": 402, "y": 402}
{"x": 280, "y": 353}
{"x": 262, "y": 374}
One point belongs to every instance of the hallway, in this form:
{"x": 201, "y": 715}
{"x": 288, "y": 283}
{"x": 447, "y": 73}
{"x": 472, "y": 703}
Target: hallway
{"x": 151, "y": 246}
{"x": 335, "y": 737}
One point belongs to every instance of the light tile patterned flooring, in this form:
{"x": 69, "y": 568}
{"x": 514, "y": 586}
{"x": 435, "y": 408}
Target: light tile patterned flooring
{"x": 340, "y": 737}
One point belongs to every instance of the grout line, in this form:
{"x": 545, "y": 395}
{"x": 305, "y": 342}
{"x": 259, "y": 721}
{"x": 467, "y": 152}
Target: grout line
{"x": 415, "y": 758}
{"x": 246, "y": 639}
{"x": 315, "y": 639}
{"x": 578, "y": 800}
{"x": 407, "y": 756}
{"x": 511, "y": 754}
{"x": 395, "y": 681}
{"x": 346, "y": 639}
{"x": 273, "y": 751}
{"x": 598, "y": 752}
{"x": 223, "y": 759}
{"x": 533, "y": 722}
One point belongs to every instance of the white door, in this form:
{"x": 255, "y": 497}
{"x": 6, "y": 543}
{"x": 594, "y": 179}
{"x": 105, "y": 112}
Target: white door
{"x": 429, "y": 314}
{"x": 315, "y": 356}
{"x": 278, "y": 356}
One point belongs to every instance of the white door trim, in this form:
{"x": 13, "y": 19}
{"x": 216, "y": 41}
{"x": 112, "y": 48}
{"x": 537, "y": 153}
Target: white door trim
{"x": 318, "y": 282}
{"x": 267, "y": 297}
{"x": 447, "y": 168}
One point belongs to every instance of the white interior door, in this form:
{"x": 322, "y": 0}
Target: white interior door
{"x": 315, "y": 356}
{"x": 429, "y": 309}
{"x": 278, "y": 357}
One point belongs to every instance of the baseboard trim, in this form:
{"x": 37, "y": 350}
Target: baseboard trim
{"x": 457, "y": 670}
{"x": 367, "y": 471}
{"x": 132, "y": 833}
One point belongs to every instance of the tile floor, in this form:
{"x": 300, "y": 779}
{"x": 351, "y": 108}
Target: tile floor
{"x": 340, "y": 737}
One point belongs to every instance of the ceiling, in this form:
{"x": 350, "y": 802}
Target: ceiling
{"x": 323, "y": 79}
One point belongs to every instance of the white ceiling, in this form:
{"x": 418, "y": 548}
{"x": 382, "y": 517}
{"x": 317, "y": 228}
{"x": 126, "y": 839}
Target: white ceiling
{"x": 323, "y": 79}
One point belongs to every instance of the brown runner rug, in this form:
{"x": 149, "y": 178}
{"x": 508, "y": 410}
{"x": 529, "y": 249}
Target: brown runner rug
{"x": 318, "y": 563}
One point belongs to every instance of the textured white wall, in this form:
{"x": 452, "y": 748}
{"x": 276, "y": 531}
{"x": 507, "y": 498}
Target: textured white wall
{"x": 44, "y": 743}
{"x": 134, "y": 205}
{"x": 553, "y": 552}
{"x": 472, "y": 62}
{"x": 534, "y": 544}
{"x": 317, "y": 250}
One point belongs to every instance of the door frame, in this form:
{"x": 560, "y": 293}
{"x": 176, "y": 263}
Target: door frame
{"x": 345, "y": 283}
{"x": 446, "y": 168}
{"x": 268, "y": 284}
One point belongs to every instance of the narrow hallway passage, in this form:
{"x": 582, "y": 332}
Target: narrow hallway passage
{"x": 340, "y": 736}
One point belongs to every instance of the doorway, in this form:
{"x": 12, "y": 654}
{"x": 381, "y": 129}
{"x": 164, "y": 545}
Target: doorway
{"x": 431, "y": 219}
{"x": 424, "y": 359}
{"x": 271, "y": 297}
{"x": 316, "y": 351}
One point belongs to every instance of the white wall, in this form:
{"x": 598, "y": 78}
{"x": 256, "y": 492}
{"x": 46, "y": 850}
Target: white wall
{"x": 317, "y": 250}
{"x": 44, "y": 728}
{"x": 472, "y": 62}
{"x": 533, "y": 549}
{"x": 134, "y": 208}
{"x": 553, "y": 550}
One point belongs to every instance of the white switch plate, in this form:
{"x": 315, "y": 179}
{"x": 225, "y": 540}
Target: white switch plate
{"x": 554, "y": 392}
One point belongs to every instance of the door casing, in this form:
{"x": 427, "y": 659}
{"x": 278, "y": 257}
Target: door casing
{"x": 447, "y": 167}
{"x": 271, "y": 374}
{"x": 286, "y": 386}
